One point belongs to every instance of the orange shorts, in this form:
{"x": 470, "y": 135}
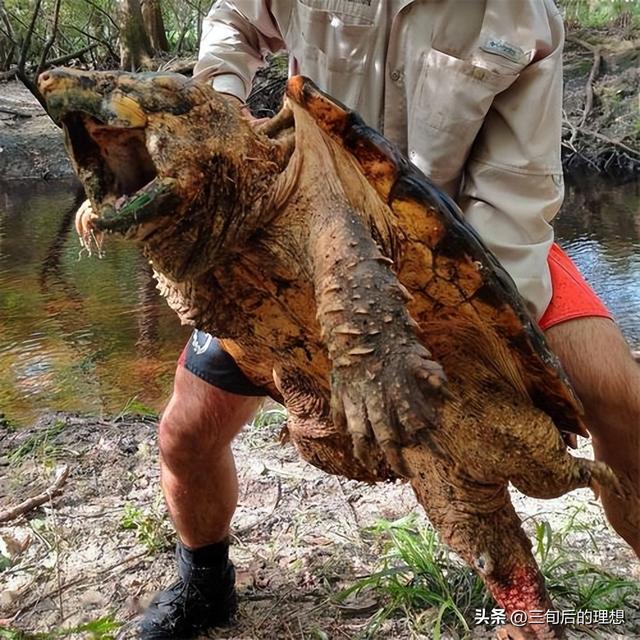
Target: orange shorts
{"x": 572, "y": 297}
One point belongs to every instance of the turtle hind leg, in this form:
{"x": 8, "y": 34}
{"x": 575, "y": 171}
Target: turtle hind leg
{"x": 551, "y": 473}
{"x": 478, "y": 521}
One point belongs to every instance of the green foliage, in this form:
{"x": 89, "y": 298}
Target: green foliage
{"x": 573, "y": 580}
{"x": 5, "y": 563}
{"x": 421, "y": 580}
{"x": 39, "y": 444}
{"x": 83, "y": 23}
{"x": 600, "y": 13}
{"x": 150, "y": 526}
{"x": 100, "y": 629}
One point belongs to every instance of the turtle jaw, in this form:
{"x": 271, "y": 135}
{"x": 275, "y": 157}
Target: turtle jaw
{"x": 115, "y": 167}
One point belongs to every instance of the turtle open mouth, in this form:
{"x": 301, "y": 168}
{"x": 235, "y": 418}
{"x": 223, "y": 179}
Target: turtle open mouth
{"x": 113, "y": 162}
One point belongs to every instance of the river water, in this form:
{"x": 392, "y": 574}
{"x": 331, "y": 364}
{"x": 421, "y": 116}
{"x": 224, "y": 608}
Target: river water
{"x": 93, "y": 335}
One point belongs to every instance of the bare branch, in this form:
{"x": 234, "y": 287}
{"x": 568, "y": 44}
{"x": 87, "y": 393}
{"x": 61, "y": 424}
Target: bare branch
{"x": 103, "y": 42}
{"x": 99, "y": 9}
{"x": 36, "y": 501}
{"x": 611, "y": 141}
{"x": 27, "y": 39}
{"x": 8, "y": 32}
{"x": 52, "y": 38}
{"x": 69, "y": 56}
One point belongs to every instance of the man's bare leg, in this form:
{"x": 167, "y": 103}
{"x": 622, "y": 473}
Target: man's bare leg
{"x": 198, "y": 471}
{"x": 607, "y": 380}
{"x": 201, "y": 489}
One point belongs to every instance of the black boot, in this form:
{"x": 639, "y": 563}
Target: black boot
{"x": 204, "y": 597}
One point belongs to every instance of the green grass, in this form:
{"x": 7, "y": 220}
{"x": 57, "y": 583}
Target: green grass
{"x": 419, "y": 579}
{"x": 100, "y": 629}
{"x": 150, "y": 526}
{"x": 39, "y": 444}
{"x": 273, "y": 415}
{"x": 134, "y": 408}
{"x": 573, "y": 580}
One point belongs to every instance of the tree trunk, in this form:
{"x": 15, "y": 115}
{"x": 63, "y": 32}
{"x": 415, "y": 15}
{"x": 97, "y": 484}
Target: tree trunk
{"x": 8, "y": 46}
{"x": 135, "y": 48}
{"x": 154, "y": 25}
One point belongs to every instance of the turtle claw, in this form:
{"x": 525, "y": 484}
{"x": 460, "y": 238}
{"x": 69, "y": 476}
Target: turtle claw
{"x": 390, "y": 405}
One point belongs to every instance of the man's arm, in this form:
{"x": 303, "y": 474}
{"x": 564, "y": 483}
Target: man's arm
{"x": 235, "y": 38}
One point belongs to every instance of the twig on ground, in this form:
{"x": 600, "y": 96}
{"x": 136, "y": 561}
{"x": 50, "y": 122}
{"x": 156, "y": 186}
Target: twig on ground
{"x": 14, "y": 112}
{"x": 56, "y": 534}
{"x": 118, "y": 567}
{"x": 38, "y": 500}
{"x": 354, "y": 513}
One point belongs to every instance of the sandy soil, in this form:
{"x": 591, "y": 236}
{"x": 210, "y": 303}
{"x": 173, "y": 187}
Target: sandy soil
{"x": 299, "y": 536}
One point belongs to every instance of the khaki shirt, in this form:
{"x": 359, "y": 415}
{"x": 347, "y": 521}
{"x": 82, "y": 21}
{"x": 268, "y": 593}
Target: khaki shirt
{"x": 470, "y": 90}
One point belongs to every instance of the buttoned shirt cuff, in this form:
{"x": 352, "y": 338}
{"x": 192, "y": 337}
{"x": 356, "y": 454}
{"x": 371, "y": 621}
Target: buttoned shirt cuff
{"x": 231, "y": 84}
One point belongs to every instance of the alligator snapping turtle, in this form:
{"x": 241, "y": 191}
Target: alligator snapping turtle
{"x": 347, "y": 285}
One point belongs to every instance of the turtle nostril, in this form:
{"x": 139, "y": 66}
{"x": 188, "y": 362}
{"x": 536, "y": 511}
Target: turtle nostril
{"x": 45, "y": 80}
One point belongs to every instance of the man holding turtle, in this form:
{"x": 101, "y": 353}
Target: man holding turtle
{"x": 473, "y": 98}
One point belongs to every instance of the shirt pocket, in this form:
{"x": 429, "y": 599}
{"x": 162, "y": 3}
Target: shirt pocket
{"x": 332, "y": 48}
{"x": 451, "y": 99}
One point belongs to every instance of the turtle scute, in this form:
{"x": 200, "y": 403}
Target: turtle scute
{"x": 343, "y": 282}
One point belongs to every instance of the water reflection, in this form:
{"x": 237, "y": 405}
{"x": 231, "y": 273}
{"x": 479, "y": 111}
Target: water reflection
{"x": 90, "y": 335}
{"x": 599, "y": 227}
{"x": 85, "y": 335}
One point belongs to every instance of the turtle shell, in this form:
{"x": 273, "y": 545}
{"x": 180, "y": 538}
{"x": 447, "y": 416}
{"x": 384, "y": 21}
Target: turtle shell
{"x": 467, "y": 280}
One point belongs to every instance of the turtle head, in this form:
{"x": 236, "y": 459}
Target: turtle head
{"x": 107, "y": 118}
{"x": 156, "y": 152}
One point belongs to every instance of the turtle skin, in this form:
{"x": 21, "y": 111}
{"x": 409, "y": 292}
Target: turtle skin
{"x": 349, "y": 287}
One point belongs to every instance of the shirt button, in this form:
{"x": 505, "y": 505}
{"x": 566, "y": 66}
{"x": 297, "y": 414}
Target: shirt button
{"x": 396, "y": 75}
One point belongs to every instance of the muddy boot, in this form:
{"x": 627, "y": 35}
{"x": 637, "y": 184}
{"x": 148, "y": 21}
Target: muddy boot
{"x": 204, "y": 597}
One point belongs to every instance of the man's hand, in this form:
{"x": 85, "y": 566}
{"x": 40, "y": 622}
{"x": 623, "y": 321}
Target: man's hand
{"x": 244, "y": 109}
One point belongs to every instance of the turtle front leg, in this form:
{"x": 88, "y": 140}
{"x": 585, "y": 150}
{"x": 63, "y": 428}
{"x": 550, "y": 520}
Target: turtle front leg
{"x": 478, "y": 521}
{"x": 386, "y": 389}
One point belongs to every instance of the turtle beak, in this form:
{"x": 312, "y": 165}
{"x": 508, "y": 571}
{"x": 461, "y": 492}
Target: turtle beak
{"x": 65, "y": 90}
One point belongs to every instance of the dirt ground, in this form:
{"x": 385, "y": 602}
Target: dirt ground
{"x": 31, "y": 145}
{"x": 299, "y": 536}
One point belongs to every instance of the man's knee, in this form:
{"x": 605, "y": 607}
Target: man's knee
{"x": 201, "y": 420}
